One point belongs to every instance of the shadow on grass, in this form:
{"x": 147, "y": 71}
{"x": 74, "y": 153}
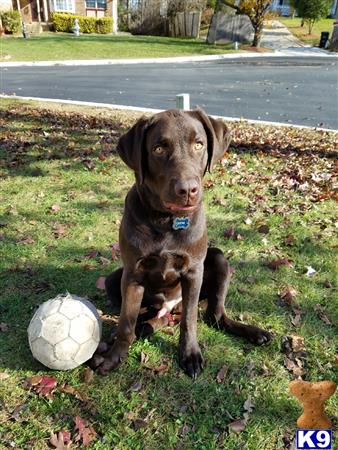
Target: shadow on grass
{"x": 24, "y": 289}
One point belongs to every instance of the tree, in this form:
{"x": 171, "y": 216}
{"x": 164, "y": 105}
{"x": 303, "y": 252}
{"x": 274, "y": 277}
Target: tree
{"x": 255, "y": 10}
{"x": 312, "y": 10}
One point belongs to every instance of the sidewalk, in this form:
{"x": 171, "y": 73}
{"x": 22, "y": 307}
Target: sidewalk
{"x": 277, "y": 37}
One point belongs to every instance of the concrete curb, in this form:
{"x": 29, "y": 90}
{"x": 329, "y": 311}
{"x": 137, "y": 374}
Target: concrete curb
{"x": 154, "y": 111}
{"x": 177, "y": 59}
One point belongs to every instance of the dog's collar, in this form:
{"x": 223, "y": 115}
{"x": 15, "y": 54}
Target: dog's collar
{"x": 181, "y": 223}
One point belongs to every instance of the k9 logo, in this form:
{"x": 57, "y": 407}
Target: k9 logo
{"x": 314, "y": 439}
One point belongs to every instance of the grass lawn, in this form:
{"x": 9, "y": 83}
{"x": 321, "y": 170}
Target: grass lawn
{"x": 302, "y": 32}
{"x": 274, "y": 187}
{"x": 62, "y": 46}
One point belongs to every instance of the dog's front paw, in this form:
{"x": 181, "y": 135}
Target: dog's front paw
{"x": 191, "y": 361}
{"x": 258, "y": 336}
{"x": 111, "y": 359}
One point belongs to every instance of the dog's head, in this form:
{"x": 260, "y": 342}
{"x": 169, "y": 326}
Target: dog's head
{"x": 170, "y": 152}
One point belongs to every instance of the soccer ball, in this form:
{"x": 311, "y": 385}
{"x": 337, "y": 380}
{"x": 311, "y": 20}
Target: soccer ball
{"x": 64, "y": 332}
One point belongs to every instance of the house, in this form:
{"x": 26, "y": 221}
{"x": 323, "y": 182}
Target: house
{"x": 283, "y": 8}
{"x": 41, "y": 10}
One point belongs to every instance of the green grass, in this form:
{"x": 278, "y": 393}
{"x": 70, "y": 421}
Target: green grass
{"x": 62, "y": 46}
{"x": 42, "y": 153}
{"x": 302, "y": 33}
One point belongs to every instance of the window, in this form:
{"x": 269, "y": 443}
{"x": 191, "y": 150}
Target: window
{"x": 96, "y": 4}
{"x": 64, "y": 5}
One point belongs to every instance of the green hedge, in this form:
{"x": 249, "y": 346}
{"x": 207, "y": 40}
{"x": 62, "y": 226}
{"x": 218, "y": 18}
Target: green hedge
{"x": 11, "y": 21}
{"x": 65, "y": 22}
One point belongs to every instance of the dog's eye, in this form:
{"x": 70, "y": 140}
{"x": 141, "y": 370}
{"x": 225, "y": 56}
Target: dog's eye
{"x": 198, "y": 146}
{"x": 158, "y": 150}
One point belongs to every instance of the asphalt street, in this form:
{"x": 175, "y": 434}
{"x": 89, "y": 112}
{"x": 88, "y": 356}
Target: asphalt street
{"x": 296, "y": 90}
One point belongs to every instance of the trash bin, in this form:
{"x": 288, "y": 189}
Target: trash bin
{"x": 324, "y": 37}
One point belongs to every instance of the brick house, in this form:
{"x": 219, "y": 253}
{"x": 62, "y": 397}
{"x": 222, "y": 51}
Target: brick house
{"x": 40, "y": 10}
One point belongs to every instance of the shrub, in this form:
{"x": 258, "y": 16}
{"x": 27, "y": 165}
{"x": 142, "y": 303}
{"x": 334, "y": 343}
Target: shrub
{"x": 11, "y": 21}
{"x": 104, "y": 25}
{"x": 65, "y": 22}
{"x": 87, "y": 24}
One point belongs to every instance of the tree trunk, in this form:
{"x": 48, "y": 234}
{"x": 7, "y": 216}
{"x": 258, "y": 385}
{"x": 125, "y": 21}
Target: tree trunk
{"x": 258, "y": 31}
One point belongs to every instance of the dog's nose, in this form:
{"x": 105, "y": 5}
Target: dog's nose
{"x": 186, "y": 188}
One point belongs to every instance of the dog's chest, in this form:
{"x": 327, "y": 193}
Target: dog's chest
{"x": 162, "y": 269}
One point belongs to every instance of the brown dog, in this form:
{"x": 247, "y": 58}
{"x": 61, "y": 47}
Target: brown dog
{"x": 163, "y": 236}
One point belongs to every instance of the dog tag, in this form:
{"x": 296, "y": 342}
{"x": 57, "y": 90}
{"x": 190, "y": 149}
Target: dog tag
{"x": 181, "y": 223}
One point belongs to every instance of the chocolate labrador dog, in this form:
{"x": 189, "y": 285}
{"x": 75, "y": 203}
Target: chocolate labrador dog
{"x": 163, "y": 237}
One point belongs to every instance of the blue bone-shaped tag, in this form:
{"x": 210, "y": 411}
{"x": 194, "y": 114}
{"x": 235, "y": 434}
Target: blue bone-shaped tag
{"x": 181, "y": 223}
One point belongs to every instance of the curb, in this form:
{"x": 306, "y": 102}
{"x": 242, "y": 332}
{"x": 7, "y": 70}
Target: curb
{"x": 154, "y": 111}
{"x": 176, "y": 59}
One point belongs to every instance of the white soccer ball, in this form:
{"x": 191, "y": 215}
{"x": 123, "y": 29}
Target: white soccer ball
{"x": 64, "y": 332}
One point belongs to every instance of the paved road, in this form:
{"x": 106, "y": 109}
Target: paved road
{"x": 296, "y": 90}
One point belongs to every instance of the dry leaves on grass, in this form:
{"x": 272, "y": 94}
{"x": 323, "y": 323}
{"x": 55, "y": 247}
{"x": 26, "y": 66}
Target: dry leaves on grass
{"x": 221, "y": 374}
{"x": 42, "y": 385}
{"x": 294, "y": 354}
{"x": 61, "y": 440}
{"x": 85, "y": 433}
{"x": 277, "y": 263}
{"x": 239, "y": 425}
{"x": 321, "y": 314}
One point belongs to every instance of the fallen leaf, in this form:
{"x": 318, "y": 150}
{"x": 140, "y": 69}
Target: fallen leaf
{"x": 297, "y": 343}
{"x": 265, "y": 370}
{"x": 294, "y": 350}
{"x": 139, "y": 423}
{"x": 43, "y": 385}
{"x": 289, "y": 240}
{"x": 320, "y": 310}
{"x": 248, "y": 404}
{"x": 68, "y": 389}
{"x": 135, "y": 387}
{"x": 100, "y": 283}
{"x": 184, "y": 430}
{"x": 237, "y": 425}
{"x": 296, "y": 318}
{"x": 4, "y": 376}
{"x": 288, "y": 295}
{"x": 55, "y": 208}
{"x": 263, "y": 229}
{"x": 221, "y": 374}
{"x": 144, "y": 357}
{"x": 17, "y": 411}
{"x": 85, "y": 432}
{"x": 59, "y": 230}
{"x": 27, "y": 240}
{"x": 251, "y": 280}
{"x": 103, "y": 261}
{"x": 115, "y": 251}
{"x": 61, "y": 440}
{"x": 88, "y": 375}
{"x": 4, "y": 327}
{"x": 229, "y": 233}
{"x": 275, "y": 264}
{"x": 89, "y": 164}
{"x": 93, "y": 254}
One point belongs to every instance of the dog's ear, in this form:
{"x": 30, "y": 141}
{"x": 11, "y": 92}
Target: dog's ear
{"x": 218, "y": 135}
{"x": 131, "y": 148}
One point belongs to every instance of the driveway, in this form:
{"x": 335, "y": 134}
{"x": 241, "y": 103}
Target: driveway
{"x": 295, "y": 90}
